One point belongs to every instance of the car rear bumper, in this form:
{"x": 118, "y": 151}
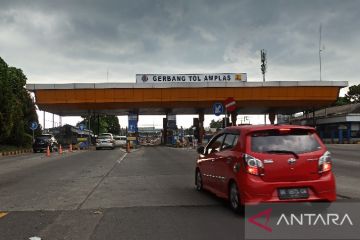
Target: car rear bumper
{"x": 105, "y": 145}
{"x": 38, "y": 148}
{"x": 255, "y": 190}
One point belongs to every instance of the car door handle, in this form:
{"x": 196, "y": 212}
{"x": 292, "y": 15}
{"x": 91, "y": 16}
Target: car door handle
{"x": 229, "y": 160}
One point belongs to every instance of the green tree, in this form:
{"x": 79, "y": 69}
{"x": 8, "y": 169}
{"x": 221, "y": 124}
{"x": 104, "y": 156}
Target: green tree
{"x": 353, "y": 95}
{"x": 107, "y": 123}
{"x": 341, "y": 101}
{"x": 216, "y": 124}
{"x": 113, "y": 125}
{"x": 17, "y": 108}
{"x": 7, "y": 109}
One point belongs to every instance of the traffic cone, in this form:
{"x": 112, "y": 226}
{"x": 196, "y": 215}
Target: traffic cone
{"x": 70, "y": 149}
{"x": 60, "y": 150}
{"x": 48, "y": 151}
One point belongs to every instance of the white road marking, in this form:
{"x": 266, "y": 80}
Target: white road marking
{"x": 122, "y": 158}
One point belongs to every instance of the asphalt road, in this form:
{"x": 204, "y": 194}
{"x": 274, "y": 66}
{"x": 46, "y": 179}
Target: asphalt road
{"x": 346, "y": 158}
{"x": 147, "y": 194}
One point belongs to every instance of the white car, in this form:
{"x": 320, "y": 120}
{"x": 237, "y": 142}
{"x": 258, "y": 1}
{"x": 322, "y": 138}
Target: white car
{"x": 105, "y": 140}
{"x": 120, "y": 141}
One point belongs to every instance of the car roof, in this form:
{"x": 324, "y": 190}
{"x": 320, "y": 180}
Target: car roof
{"x": 253, "y": 128}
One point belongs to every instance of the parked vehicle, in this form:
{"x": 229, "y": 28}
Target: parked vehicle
{"x": 44, "y": 141}
{"x": 68, "y": 134}
{"x": 105, "y": 140}
{"x": 255, "y": 164}
{"x": 120, "y": 141}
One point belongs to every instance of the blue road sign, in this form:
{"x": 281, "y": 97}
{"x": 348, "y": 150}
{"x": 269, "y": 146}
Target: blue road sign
{"x": 133, "y": 123}
{"x": 218, "y": 109}
{"x": 82, "y": 127}
{"x": 132, "y": 126}
{"x": 34, "y": 125}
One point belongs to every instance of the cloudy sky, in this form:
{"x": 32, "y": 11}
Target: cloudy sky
{"x": 80, "y": 41}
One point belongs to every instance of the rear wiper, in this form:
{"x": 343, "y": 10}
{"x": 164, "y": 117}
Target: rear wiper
{"x": 283, "y": 151}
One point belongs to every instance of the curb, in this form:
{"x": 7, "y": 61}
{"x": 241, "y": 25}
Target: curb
{"x": 17, "y": 152}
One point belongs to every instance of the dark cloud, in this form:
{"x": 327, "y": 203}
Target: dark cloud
{"x": 79, "y": 40}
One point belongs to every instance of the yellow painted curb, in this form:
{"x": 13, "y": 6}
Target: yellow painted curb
{"x": 3, "y": 214}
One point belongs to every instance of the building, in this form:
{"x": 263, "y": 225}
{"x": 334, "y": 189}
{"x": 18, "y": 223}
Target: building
{"x": 338, "y": 124}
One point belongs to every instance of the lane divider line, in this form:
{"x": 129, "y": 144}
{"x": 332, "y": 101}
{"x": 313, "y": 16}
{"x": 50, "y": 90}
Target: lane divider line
{"x": 122, "y": 158}
{"x": 100, "y": 181}
{"x": 3, "y": 214}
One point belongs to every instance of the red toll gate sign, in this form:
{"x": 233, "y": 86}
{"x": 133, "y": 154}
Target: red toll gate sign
{"x": 230, "y": 104}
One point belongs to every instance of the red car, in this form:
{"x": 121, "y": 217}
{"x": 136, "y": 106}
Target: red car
{"x": 266, "y": 163}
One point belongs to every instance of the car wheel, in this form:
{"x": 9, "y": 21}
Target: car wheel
{"x": 198, "y": 181}
{"x": 234, "y": 199}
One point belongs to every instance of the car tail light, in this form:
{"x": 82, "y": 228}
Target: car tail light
{"x": 325, "y": 162}
{"x": 254, "y": 166}
{"x": 284, "y": 129}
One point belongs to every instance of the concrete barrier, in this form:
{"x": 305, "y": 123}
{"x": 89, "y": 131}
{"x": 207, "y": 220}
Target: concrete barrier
{"x": 17, "y": 152}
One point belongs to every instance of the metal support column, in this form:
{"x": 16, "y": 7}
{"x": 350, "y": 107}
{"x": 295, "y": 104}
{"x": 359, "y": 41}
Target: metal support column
{"x": 272, "y": 117}
{"x": 98, "y": 124}
{"x": 349, "y": 133}
{"x": 201, "y": 127}
{"x": 89, "y": 125}
{"x": 165, "y": 130}
{"x": 340, "y": 136}
{"x": 234, "y": 115}
{"x": 44, "y": 121}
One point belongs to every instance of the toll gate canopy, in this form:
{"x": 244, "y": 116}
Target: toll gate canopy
{"x": 283, "y": 97}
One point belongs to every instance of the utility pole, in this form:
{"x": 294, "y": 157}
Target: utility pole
{"x": 44, "y": 121}
{"x": 320, "y": 50}
{"x": 263, "y": 70}
{"x": 263, "y": 63}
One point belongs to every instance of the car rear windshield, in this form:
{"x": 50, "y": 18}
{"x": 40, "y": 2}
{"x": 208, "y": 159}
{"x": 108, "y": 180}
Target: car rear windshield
{"x": 45, "y": 137}
{"x": 104, "y": 136}
{"x": 120, "y": 138}
{"x": 295, "y": 140}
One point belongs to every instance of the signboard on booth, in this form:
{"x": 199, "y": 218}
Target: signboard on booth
{"x": 133, "y": 120}
{"x": 191, "y": 78}
{"x": 171, "y": 121}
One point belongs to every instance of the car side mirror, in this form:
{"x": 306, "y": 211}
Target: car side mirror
{"x": 200, "y": 149}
